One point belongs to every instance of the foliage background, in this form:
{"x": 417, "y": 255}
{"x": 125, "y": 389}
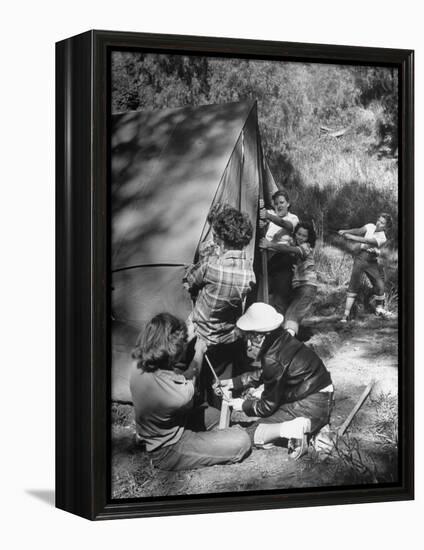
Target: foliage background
{"x": 338, "y": 182}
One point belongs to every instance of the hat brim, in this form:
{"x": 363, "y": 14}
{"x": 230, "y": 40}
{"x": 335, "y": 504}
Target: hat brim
{"x": 248, "y": 325}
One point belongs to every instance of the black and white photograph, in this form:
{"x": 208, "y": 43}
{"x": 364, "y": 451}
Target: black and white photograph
{"x": 210, "y": 316}
{"x": 254, "y": 300}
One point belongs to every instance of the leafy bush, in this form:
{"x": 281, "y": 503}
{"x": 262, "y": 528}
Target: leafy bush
{"x": 337, "y": 182}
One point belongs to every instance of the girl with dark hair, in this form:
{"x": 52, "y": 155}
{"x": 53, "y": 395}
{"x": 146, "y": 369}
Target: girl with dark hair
{"x": 304, "y": 280}
{"x": 209, "y": 247}
{"x": 219, "y": 285}
{"x": 177, "y": 435}
{"x": 232, "y": 228}
{"x": 278, "y": 226}
{"x": 372, "y": 237}
{"x": 281, "y": 220}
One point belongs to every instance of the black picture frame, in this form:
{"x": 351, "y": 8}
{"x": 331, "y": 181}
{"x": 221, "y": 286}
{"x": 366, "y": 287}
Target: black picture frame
{"x": 82, "y": 276}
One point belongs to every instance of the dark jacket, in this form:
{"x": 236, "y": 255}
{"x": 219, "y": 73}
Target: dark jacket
{"x": 290, "y": 371}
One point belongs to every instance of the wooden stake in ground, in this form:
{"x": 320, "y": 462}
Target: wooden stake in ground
{"x": 341, "y": 430}
{"x": 224, "y": 419}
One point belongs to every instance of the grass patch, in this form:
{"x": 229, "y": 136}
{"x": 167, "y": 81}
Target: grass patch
{"x": 122, "y": 415}
{"x": 385, "y": 426}
{"x": 333, "y": 265}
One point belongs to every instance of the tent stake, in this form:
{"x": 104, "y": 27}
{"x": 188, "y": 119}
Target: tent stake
{"x": 355, "y": 409}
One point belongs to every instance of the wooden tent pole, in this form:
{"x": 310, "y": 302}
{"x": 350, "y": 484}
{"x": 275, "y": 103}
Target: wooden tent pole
{"x": 265, "y": 289}
{"x": 264, "y": 253}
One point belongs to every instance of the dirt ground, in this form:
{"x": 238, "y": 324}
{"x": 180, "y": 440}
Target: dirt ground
{"x": 362, "y": 351}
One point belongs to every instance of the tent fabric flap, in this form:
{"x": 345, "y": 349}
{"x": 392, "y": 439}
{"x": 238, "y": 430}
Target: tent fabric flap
{"x": 166, "y": 168}
{"x": 139, "y": 294}
{"x": 239, "y": 185}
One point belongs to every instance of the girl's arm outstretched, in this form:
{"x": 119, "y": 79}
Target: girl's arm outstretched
{"x": 370, "y": 240}
{"x": 279, "y": 247}
{"x": 286, "y": 224}
{"x": 358, "y": 231}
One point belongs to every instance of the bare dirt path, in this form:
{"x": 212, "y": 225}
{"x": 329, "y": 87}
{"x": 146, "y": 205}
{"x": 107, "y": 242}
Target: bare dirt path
{"x": 356, "y": 354}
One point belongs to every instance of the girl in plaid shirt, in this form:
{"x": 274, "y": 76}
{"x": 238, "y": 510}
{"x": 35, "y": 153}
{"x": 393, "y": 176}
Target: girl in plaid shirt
{"x": 220, "y": 284}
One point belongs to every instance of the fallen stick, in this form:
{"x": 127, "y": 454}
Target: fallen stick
{"x": 341, "y": 430}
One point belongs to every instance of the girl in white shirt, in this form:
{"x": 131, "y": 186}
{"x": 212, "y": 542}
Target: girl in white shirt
{"x": 278, "y": 226}
{"x": 371, "y": 237}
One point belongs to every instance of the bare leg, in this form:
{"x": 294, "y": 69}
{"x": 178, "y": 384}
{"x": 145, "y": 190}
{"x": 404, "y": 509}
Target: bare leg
{"x": 350, "y": 300}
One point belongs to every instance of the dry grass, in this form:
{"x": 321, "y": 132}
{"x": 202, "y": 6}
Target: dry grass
{"x": 385, "y": 426}
{"x": 334, "y": 162}
{"x": 357, "y": 460}
{"x": 353, "y": 460}
{"x": 332, "y": 264}
{"x": 122, "y": 415}
{"x": 344, "y": 182}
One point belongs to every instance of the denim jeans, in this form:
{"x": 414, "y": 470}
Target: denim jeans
{"x": 317, "y": 407}
{"x": 198, "y": 448}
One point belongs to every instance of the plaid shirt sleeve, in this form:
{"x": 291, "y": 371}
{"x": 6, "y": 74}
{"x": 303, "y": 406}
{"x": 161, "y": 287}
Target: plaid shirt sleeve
{"x": 195, "y": 275}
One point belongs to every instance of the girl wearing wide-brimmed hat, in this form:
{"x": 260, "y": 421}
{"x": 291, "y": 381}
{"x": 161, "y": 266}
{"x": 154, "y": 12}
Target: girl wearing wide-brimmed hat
{"x": 298, "y": 392}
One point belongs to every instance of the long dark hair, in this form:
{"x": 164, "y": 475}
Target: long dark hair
{"x": 388, "y": 218}
{"x": 161, "y": 344}
{"x": 312, "y": 236}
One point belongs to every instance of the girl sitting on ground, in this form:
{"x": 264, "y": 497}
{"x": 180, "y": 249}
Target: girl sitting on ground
{"x": 177, "y": 435}
{"x": 372, "y": 237}
{"x": 304, "y": 281}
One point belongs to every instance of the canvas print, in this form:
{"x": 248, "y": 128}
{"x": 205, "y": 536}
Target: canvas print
{"x": 254, "y": 275}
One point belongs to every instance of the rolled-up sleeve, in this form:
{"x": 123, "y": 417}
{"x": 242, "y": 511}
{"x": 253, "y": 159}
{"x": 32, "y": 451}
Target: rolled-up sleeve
{"x": 293, "y": 219}
{"x": 195, "y": 275}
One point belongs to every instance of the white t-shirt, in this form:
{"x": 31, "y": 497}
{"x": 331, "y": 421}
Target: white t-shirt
{"x": 273, "y": 228}
{"x": 371, "y": 233}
